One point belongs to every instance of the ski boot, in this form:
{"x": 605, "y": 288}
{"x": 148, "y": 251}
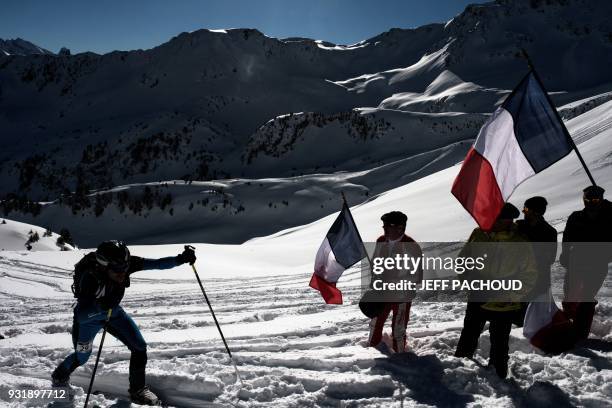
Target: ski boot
{"x": 144, "y": 396}
{"x": 60, "y": 382}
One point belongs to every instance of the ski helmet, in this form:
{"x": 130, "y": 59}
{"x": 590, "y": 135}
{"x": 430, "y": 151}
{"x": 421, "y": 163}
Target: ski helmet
{"x": 114, "y": 255}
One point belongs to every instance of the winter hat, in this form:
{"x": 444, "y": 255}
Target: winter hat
{"x": 394, "y": 217}
{"x": 537, "y": 204}
{"x": 593, "y": 192}
{"x": 508, "y": 212}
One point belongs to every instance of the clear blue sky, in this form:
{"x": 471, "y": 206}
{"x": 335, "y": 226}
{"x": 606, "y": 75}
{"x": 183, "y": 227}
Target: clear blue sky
{"x": 105, "y": 25}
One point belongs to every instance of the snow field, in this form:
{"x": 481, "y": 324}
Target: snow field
{"x": 291, "y": 350}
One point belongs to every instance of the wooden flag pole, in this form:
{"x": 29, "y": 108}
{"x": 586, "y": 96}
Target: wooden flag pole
{"x": 565, "y": 131}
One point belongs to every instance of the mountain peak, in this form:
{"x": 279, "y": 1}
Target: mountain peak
{"x": 20, "y": 46}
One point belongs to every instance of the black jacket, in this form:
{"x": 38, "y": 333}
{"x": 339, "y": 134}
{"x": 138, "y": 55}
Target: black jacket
{"x": 96, "y": 288}
{"x": 581, "y": 227}
{"x": 544, "y": 239}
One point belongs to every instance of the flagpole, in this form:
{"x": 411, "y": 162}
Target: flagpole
{"x": 565, "y": 131}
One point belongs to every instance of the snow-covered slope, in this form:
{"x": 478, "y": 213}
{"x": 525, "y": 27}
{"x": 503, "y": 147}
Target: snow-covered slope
{"x": 446, "y": 92}
{"x": 291, "y": 349}
{"x": 235, "y": 210}
{"x": 21, "y": 47}
{"x": 435, "y": 215}
{"x": 196, "y": 107}
{"x": 17, "y": 236}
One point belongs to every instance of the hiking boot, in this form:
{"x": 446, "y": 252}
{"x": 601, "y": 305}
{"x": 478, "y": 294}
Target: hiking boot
{"x": 463, "y": 354}
{"x": 144, "y": 396}
{"x": 501, "y": 368}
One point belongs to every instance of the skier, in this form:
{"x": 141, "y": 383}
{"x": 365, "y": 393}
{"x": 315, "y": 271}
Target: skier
{"x": 100, "y": 280}
{"x": 585, "y": 261}
{"x": 516, "y": 261}
{"x": 395, "y": 241}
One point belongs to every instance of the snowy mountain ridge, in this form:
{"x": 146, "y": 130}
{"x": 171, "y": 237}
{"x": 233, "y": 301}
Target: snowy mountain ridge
{"x": 214, "y": 105}
{"x": 21, "y": 47}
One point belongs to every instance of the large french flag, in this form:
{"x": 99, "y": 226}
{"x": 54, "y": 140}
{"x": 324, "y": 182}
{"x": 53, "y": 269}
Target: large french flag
{"x": 523, "y": 137}
{"x": 341, "y": 249}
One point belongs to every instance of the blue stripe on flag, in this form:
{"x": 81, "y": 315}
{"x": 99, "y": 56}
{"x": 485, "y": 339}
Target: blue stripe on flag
{"x": 536, "y": 126}
{"x": 344, "y": 239}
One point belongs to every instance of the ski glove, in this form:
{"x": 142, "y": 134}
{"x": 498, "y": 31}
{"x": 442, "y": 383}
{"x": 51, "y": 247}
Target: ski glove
{"x": 188, "y": 256}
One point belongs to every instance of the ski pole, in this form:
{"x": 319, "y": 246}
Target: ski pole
{"x": 93, "y": 375}
{"x": 214, "y": 317}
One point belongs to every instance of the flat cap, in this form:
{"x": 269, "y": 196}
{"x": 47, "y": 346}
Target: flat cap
{"x": 394, "y": 217}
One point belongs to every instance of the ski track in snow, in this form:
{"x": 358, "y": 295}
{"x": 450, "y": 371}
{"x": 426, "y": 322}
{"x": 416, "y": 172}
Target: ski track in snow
{"x": 291, "y": 350}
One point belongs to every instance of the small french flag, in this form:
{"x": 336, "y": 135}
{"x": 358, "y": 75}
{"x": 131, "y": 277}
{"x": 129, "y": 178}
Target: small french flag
{"x": 547, "y": 327}
{"x": 341, "y": 249}
{"x": 521, "y": 138}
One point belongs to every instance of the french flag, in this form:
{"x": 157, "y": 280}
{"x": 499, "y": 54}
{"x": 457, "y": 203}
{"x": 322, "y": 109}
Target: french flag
{"x": 547, "y": 327}
{"x": 341, "y": 249}
{"x": 522, "y": 137}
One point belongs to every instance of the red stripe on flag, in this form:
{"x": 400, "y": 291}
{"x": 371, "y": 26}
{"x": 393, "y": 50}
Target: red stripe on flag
{"x": 330, "y": 293}
{"x": 557, "y": 336}
{"x": 476, "y": 189}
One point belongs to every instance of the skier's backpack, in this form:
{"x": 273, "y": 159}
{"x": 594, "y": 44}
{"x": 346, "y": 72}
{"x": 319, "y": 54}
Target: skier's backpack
{"x": 86, "y": 265}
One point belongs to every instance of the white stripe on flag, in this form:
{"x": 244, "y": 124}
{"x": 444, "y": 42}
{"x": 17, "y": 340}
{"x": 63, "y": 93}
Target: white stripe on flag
{"x": 326, "y": 265}
{"x": 539, "y": 314}
{"x": 497, "y": 143}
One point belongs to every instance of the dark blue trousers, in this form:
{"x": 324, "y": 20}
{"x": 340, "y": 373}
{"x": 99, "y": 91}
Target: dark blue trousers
{"x": 88, "y": 321}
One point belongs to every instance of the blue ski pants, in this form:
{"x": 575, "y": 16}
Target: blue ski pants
{"x": 88, "y": 321}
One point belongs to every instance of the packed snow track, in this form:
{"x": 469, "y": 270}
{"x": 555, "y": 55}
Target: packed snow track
{"x": 290, "y": 348}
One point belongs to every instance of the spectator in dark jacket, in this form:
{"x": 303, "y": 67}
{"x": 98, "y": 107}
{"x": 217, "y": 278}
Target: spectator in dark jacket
{"x": 544, "y": 239}
{"x": 586, "y": 254}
